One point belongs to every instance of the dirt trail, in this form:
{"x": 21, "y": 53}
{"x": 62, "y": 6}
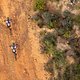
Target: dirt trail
{"x": 29, "y": 65}
{"x": 4, "y": 5}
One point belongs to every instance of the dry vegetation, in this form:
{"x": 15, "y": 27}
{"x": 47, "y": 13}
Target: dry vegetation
{"x": 63, "y": 64}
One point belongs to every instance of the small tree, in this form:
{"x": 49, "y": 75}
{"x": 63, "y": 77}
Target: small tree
{"x": 40, "y": 5}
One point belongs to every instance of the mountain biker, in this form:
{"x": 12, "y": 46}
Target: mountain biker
{"x": 13, "y": 47}
{"x": 8, "y": 22}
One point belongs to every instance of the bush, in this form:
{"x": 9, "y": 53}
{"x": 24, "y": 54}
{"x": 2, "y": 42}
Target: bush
{"x": 67, "y": 13}
{"x": 67, "y": 23}
{"x": 49, "y": 42}
{"x": 67, "y": 34}
{"x": 77, "y": 72}
{"x": 49, "y": 66}
{"x": 47, "y": 18}
{"x": 77, "y": 20}
{"x": 54, "y": 21}
{"x": 75, "y": 45}
{"x": 59, "y": 58}
{"x": 64, "y": 33}
{"x": 56, "y": 63}
{"x": 40, "y": 4}
{"x": 43, "y": 33}
{"x": 72, "y": 72}
{"x": 38, "y": 17}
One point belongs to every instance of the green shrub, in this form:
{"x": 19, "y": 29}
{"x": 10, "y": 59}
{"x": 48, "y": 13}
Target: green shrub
{"x": 66, "y": 13}
{"x": 67, "y": 23}
{"x": 42, "y": 33}
{"x": 49, "y": 66}
{"x": 77, "y": 20}
{"x": 72, "y": 72}
{"x": 49, "y": 42}
{"x": 75, "y": 45}
{"x": 64, "y": 33}
{"x": 77, "y": 73}
{"x": 47, "y": 17}
{"x": 60, "y": 31}
{"x": 40, "y": 4}
{"x": 67, "y": 34}
{"x": 56, "y": 62}
{"x": 51, "y": 20}
{"x": 59, "y": 58}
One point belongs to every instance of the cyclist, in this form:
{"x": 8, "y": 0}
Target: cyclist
{"x": 13, "y": 47}
{"x": 8, "y": 22}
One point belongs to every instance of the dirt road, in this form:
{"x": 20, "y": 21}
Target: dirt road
{"x": 29, "y": 64}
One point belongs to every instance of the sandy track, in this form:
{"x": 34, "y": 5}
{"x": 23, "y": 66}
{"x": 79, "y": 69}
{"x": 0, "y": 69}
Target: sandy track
{"x": 25, "y": 68}
{"x": 14, "y": 71}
